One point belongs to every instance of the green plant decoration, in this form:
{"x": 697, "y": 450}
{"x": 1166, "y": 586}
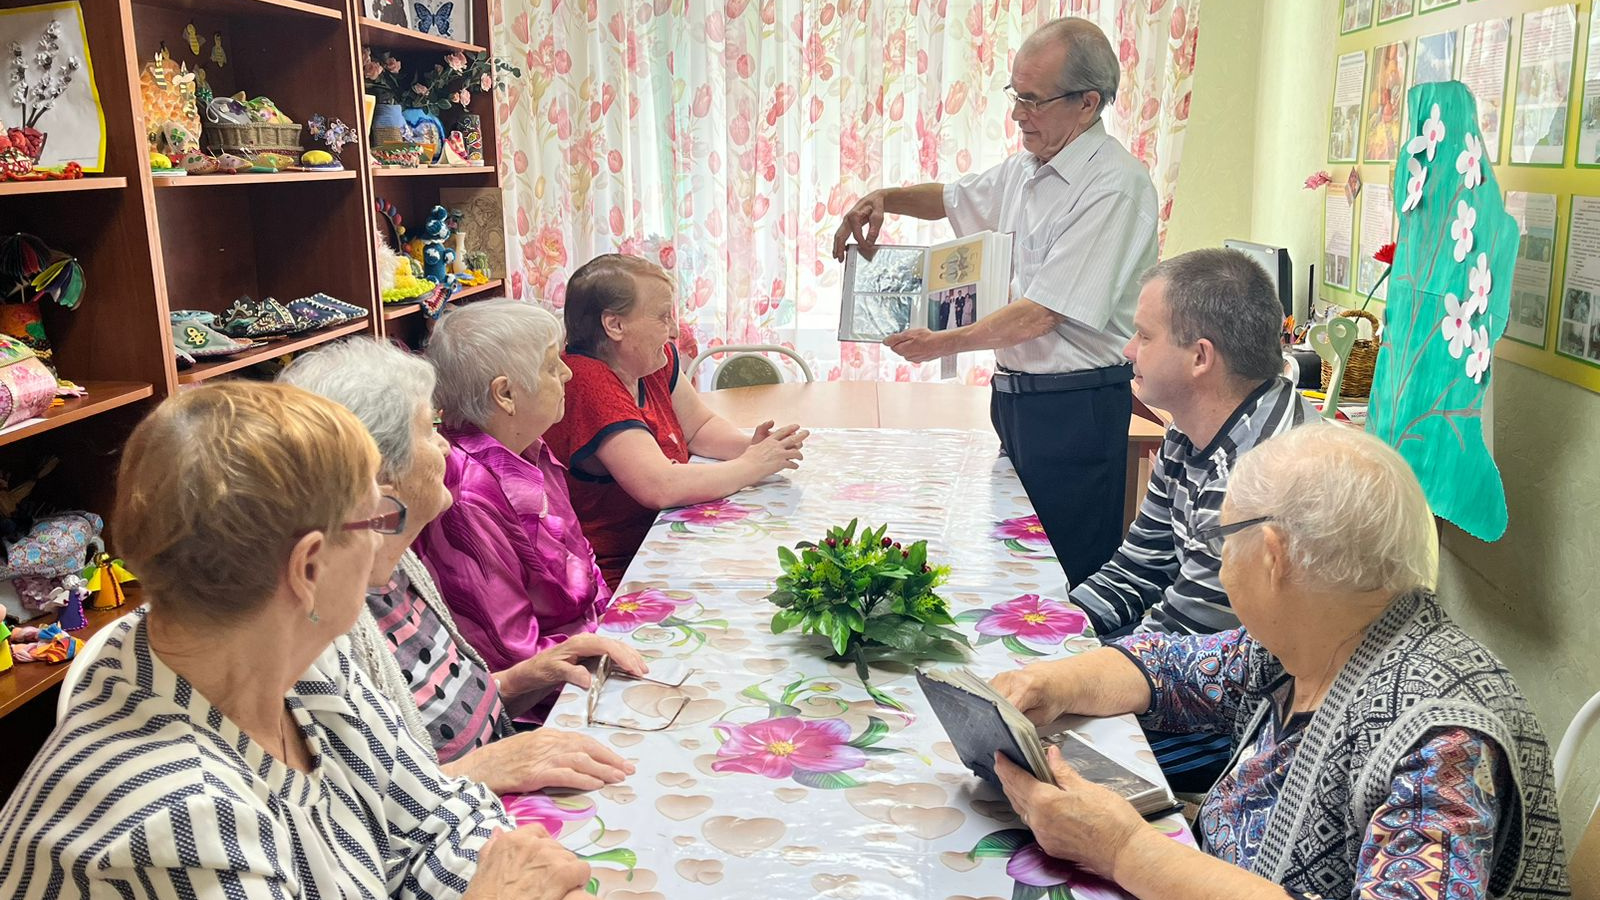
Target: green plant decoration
{"x": 1449, "y": 299}
{"x": 865, "y": 591}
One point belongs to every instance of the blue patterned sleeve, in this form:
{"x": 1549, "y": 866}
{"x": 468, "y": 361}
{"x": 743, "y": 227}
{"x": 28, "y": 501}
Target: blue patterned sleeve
{"x": 1196, "y": 681}
{"x": 1433, "y": 837}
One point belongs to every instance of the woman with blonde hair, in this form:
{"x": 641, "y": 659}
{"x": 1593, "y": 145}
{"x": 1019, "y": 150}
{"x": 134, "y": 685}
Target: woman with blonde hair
{"x": 223, "y": 743}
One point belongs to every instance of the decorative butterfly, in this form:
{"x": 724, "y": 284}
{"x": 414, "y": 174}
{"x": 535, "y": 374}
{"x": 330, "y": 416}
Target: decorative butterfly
{"x": 438, "y": 19}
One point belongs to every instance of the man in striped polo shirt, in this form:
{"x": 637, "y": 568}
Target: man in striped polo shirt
{"x": 1205, "y": 349}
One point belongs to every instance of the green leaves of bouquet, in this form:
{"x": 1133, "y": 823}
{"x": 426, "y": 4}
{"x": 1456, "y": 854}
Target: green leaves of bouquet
{"x": 865, "y": 590}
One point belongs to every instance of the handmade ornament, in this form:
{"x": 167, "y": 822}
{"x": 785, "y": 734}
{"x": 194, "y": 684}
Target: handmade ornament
{"x": 50, "y": 644}
{"x": 471, "y": 126}
{"x": 1332, "y": 340}
{"x": 30, "y": 274}
{"x": 105, "y": 578}
{"x": 218, "y": 55}
{"x": 455, "y": 151}
{"x": 69, "y": 598}
{"x": 1449, "y": 301}
{"x": 5, "y": 641}
{"x": 436, "y": 20}
{"x": 171, "y": 110}
{"x": 436, "y": 258}
{"x": 193, "y": 38}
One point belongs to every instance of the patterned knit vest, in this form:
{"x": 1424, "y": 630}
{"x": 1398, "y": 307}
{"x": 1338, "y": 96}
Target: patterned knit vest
{"x": 1414, "y": 671}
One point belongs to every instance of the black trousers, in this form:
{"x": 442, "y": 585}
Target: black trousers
{"x": 1070, "y": 449}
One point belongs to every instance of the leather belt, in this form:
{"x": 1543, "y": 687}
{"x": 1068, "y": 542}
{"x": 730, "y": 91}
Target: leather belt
{"x": 1025, "y": 383}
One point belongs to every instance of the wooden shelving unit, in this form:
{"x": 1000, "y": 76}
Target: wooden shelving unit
{"x": 31, "y": 188}
{"x": 153, "y": 245}
{"x": 395, "y": 172}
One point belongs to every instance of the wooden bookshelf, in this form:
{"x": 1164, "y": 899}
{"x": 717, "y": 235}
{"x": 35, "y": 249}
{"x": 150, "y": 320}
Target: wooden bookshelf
{"x": 397, "y": 38}
{"x": 28, "y": 680}
{"x": 400, "y": 310}
{"x": 277, "y": 347}
{"x": 152, "y": 245}
{"x": 102, "y": 396}
{"x": 86, "y": 183}
{"x": 245, "y": 179}
{"x": 478, "y": 290}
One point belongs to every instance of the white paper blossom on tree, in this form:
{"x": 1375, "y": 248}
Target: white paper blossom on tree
{"x": 1427, "y": 140}
{"x": 1461, "y": 229}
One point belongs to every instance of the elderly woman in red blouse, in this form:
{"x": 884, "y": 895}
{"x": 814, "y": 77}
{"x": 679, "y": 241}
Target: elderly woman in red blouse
{"x": 632, "y": 422}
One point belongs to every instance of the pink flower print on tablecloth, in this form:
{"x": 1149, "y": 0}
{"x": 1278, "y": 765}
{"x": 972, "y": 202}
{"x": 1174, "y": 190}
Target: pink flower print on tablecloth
{"x": 550, "y": 813}
{"x": 633, "y": 611}
{"x": 713, "y": 514}
{"x": 781, "y": 747}
{"x": 866, "y": 492}
{"x": 1031, "y": 867}
{"x": 1024, "y": 536}
{"x": 1034, "y": 619}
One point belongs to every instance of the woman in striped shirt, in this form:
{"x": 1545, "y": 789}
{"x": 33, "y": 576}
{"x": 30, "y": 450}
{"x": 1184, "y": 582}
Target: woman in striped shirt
{"x": 223, "y": 743}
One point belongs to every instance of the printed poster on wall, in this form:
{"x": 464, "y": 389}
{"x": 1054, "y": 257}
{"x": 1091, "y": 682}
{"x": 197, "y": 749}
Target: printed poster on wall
{"x": 1336, "y": 223}
{"x": 1544, "y": 86}
{"x": 1357, "y": 15}
{"x": 1589, "y": 113}
{"x": 1389, "y": 10}
{"x": 1484, "y": 51}
{"x": 1377, "y": 229}
{"x": 1344, "y": 132}
{"x": 1579, "y": 332}
{"x": 1530, "y": 285}
{"x": 1435, "y": 58}
{"x": 1386, "y": 101}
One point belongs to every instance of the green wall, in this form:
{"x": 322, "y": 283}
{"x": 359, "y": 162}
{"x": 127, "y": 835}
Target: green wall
{"x": 1263, "y": 87}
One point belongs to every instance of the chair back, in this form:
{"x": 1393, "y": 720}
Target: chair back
{"x": 745, "y": 365}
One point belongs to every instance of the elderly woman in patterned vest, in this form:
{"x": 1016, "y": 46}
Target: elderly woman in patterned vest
{"x": 1379, "y": 750}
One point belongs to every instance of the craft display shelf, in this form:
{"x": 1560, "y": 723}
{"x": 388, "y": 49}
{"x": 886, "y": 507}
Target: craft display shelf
{"x": 422, "y": 172}
{"x": 152, "y": 245}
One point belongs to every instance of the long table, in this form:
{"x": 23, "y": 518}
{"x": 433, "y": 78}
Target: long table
{"x": 910, "y": 405}
{"x": 784, "y": 775}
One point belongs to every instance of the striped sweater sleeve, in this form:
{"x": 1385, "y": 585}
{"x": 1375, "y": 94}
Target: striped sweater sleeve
{"x": 1126, "y": 587}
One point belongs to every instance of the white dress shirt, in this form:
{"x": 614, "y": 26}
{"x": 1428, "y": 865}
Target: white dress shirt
{"x": 1084, "y": 230}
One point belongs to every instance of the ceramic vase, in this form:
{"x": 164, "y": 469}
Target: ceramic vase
{"x": 388, "y": 124}
{"x": 427, "y": 131}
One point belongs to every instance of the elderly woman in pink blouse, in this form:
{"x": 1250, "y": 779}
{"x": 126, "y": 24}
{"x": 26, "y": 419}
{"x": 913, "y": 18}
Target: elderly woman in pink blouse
{"x": 509, "y": 555}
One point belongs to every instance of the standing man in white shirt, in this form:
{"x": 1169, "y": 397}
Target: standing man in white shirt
{"x": 1083, "y": 214}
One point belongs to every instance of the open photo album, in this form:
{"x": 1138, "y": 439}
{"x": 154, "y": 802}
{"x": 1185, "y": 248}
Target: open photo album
{"x": 944, "y": 286}
{"x": 981, "y": 722}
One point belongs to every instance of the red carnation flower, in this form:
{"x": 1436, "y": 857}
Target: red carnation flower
{"x": 1385, "y": 254}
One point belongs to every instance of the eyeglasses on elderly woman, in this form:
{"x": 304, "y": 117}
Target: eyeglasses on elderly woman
{"x": 1213, "y": 536}
{"x": 390, "y": 518}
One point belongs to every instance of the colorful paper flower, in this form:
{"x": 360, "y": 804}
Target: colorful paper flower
{"x": 632, "y": 611}
{"x": 1317, "y": 179}
{"x": 1033, "y": 618}
{"x": 1023, "y": 529}
{"x": 1385, "y": 254}
{"x": 1456, "y": 328}
{"x": 708, "y": 513}
{"x": 1416, "y": 178}
{"x": 1461, "y": 229}
{"x": 1478, "y": 359}
{"x": 777, "y": 748}
{"x": 1470, "y": 162}
{"x": 1480, "y": 282}
{"x": 1430, "y": 136}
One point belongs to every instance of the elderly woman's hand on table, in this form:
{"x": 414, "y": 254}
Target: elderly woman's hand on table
{"x": 546, "y": 758}
{"x": 561, "y": 664}
{"x": 527, "y": 864}
{"x": 1077, "y": 820}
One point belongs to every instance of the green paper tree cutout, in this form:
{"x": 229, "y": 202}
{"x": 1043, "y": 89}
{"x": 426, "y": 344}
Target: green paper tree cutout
{"x": 1449, "y": 298}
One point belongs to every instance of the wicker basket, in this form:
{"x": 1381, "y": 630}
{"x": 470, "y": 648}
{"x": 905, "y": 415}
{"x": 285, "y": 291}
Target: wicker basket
{"x": 255, "y": 137}
{"x": 1363, "y": 360}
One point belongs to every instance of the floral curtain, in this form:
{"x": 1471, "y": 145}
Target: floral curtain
{"x": 725, "y": 139}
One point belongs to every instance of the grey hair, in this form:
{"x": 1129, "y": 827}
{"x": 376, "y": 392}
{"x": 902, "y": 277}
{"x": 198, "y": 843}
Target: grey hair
{"x": 1091, "y": 63}
{"x": 386, "y": 388}
{"x": 1227, "y": 298}
{"x": 473, "y": 345}
{"x": 1351, "y": 510}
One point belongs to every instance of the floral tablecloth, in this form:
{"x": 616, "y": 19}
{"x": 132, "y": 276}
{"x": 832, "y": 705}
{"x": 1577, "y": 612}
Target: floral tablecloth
{"x": 785, "y": 776}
